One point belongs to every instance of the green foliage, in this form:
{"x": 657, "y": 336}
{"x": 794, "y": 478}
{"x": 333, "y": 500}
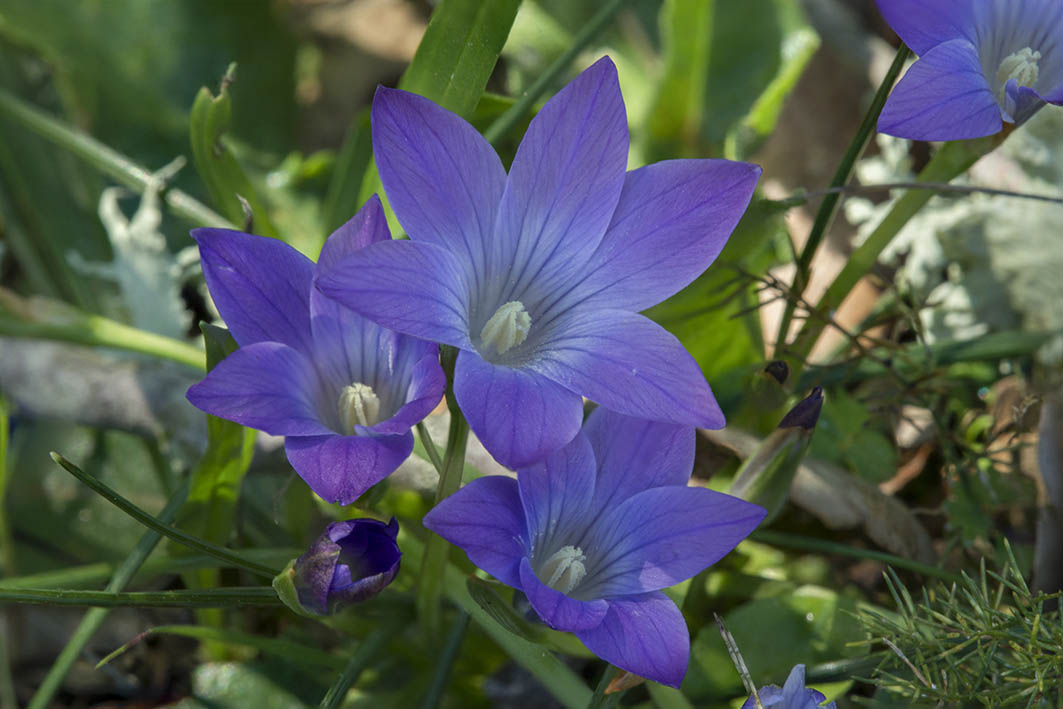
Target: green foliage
{"x": 848, "y": 435}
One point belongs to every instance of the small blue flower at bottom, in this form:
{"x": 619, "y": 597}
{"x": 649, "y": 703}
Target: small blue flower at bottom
{"x": 594, "y": 532}
{"x": 981, "y": 63}
{"x": 793, "y": 695}
{"x": 343, "y": 391}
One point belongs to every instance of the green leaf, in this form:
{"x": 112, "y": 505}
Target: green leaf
{"x": 341, "y": 200}
{"x": 210, "y": 119}
{"x": 488, "y": 598}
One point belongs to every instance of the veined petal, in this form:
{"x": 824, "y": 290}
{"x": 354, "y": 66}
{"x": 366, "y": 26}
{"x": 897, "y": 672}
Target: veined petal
{"x": 486, "y": 520}
{"x": 423, "y": 392}
{"x": 341, "y": 468}
{"x": 414, "y": 288}
{"x": 367, "y": 226}
{"x": 564, "y": 183}
{"x": 922, "y": 24}
{"x": 634, "y": 454}
{"x": 672, "y": 220}
{"x": 268, "y": 385}
{"x": 944, "y": 96}
{"x": 519, "y": 416}
{"x": 645, "y": 635}
{"x": 560, "y": 612}
{"x": 442, "y": 178}
{"x": 659, "y": 537}
{"x": 627, "y": 363}
{"x": 347, "y": 346}
{"x": 556, "y": 494}
{"x": 261, "y": 286}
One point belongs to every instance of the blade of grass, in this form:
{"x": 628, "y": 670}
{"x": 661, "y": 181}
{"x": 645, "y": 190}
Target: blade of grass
{"x": 233, "y": 597}
{"x": 107, "y": 493}
{"x": 358, "y": 661}
{"x": 445, "y": 662}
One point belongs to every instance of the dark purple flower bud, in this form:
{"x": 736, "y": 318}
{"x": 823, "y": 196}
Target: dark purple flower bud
{"x": 350, "y": 562}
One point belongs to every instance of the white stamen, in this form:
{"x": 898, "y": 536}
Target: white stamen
{"x": 564, "y": 570}
{"x": 507, "y": 328}
{"x": 359, "y": 406}
{"x": 1021, "y": 66}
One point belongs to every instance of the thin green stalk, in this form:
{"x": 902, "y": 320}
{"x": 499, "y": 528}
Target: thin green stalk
{"x": 600, "y": 700}
{"x": 8, "y": 699}
{"x": 7, "y": 547}
{"x": 81, "y": 328}
{"x": 360, "y": 659}
{"x": 796, "y": 541}
{"x": 953, "y": 159}
{"x": 106, "y": 160}
{"x": 842, "y": 670}
{"x": 434, "y": 563}
{"x": 829, "y": 206}
{"x": 429, "y": 447}
{"x": 95, "y": 617}
{"x": 504, "y": 123}
{"x": 233, "y": 597}
{"x": 107, "y": 493}
{"x": 445, "y": 662}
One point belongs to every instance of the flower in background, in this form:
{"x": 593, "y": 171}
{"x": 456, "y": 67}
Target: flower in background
{"x": 537, "y": 277}
{"x": 793, "y": 695}
{"x": 350, "y": 562}
{"x": 342, "y": 390}
{"x": 594, "y": 532}
{"x": 981, "y": 62}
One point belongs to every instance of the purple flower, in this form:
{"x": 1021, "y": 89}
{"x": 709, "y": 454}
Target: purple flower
{"x": 592, "y": 533}
{"x": 981, "y": 62}
{"x": 537, "y": 277}
{"x": 793, "y": 695}
{"x": 350, "y": 562}
{"x": 342, "y": 390}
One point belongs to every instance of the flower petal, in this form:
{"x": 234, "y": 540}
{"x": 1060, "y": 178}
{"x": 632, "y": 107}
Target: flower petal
{"x": 634, "y": 454}
{"x": 922, "y": 24}
{"x": 662, "y": 536}
{"x": 268, "y": 386}
{"x": 261, "y": 286}
{"x": 341, "y": 468}
{"x": 486, "y": 520}
{"x": 442, "y": 178}
{"x": 559, "y": 611}
{"x": 564, "y": 183}
{"x": 627, "y": 363}
{"x": 367, "y": 226}
{"x": 645, "y": 635}
{"x": 944, "y": 96}
{"x": 556, "y": 494}
{"x": 425, "y": 383}
{"x": 672, "y": 220}
{"x": 414, "y": 288}
{"x": 519, "y": 416}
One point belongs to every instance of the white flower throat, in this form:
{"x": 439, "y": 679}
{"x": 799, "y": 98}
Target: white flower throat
{"x": 1021, "y": 66}
{"x": 564, "y": 569}
{"x": 358, "y": 406}
{"x": 507, "y": 328}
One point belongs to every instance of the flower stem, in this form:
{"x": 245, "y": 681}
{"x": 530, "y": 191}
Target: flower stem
{"x": 445, "y": 662}
{"x": 188, "y": 540}
{"x": 504, "y": 123}
{"x": 207, "y": 598}
{"x": 360, "y": 659}
{"x": 600, "y": 700}
{"x": 433, "y": 565}
{"x": 829, "y": 206}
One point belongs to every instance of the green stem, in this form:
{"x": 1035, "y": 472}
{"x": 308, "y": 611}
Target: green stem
{"x": 434, "y": 563}
{"x": 107, "y": 493}
{"x": 842, "y": 670}
{"x": 209, "y": 598}
{"x": 106, "y": 160}
{"x": 360, "y": 659}
{"x": 7, "y": 547}
{"x": 429, "y": 447}
{"x": 600, "y": 699}
{"x": 445, "y": 662}
{"x": 81, "y": 328}
{"x": 796, "y": 541}
{"x": 95, "y": 617}
{"x": 505, "y": 123}
{"x": 952, "y": 160}
{"x": 829, "y": 206}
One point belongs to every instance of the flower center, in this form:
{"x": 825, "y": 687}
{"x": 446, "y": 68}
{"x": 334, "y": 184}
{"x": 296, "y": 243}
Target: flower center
{"x": 1021, "y": 66}
{"x": 564, "y": 570}
{"x": 507, "y": 328}
{"x": 359, "y": 406}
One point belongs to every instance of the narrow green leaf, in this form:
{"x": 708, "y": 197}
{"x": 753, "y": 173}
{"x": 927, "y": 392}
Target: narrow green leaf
{"x": 341, "y": 200}
{"x": 234, "y": 597}
{"x": 488, "y": 598}
{"x": 7, "y": 549}
{"x": 358, "y": 661}
{"x": 209, "y": 120}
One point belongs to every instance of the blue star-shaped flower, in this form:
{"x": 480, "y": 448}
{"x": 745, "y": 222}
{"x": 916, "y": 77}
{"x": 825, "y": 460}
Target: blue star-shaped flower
{"x": 342, "y": 390}
{"x": 594, "y": 532}
{"x": 793, "y": 695}
{"x": 537, "y": 277}
{"x": 981, "y": 62}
